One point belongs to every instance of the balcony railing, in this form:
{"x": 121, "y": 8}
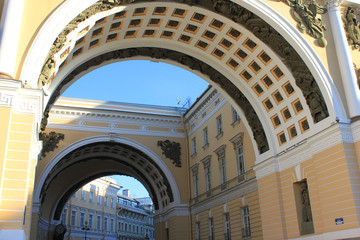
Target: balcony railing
{"x": 223, "y": 187}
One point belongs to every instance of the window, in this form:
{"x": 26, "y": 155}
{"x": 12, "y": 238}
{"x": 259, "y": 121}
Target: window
{"x": 106, "y": 201}
{"x": 195, "y": 170}
{"x": 98, "y": 223}
{"x": 112, "y": 202}
{"x": 237, "y": 140}
{"x": 211, "y": 229}
{"x": 235, "y": 116}
{"x": 83, "y": 194}
{"x": 227, "y": 226}
{"x": 240, "y": 160}
{"x": 205, "y": 137}
{"x": 91, "y": 196}
{"x": 198, "y": 231}
{"x": 73, "y": 218}
{"x": 245, "y": 222}
{"x": 193, "y": 146}
{"x": 75, "y": 195}
{"x": 99, "y": 200}
{"x": 111, "y": 225}
{"x": 82, "y": 219}
{"x": 219, "y": 126}
{"x": 105, "y": 224}
{"x": 207, "y": 168}
{"x": 222, "y": 164}
{"x": 91, "y": 221}
{"x": 63, "y": 217}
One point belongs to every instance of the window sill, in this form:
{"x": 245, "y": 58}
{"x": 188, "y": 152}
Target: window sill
{"x": 219, "y": 135}
{"x": 205, "y": 146}
{"x": 193, "y": 155}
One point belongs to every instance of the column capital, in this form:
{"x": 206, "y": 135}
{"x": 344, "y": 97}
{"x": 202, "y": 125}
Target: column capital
{"x": 333, "y": 3}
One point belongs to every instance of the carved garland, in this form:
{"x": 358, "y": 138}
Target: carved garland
{"x": 50, "y": 141}
{"x": 171, "y": 150}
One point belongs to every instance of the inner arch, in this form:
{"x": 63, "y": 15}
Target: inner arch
{"x": 99, "y": 159}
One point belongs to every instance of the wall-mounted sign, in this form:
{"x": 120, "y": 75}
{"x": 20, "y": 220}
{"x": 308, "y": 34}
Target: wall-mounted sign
{"x": 339, "y": 221}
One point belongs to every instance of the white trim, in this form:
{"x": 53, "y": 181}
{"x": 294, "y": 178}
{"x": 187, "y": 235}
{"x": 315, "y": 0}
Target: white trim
{"x": 132, "y": 143}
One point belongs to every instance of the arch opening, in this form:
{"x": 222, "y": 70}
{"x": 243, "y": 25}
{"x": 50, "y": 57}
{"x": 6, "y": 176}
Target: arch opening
{"x": 99, "y": 159}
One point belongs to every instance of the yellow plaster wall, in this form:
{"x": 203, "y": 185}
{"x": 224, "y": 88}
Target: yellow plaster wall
{"x": 35, "y": 12}
{"x": 333, "y": 181}
{"x": 17, "y": 170}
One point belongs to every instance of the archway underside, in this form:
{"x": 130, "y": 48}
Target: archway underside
{"x": 100, "y": 159}
{"x": 257, "y": 59}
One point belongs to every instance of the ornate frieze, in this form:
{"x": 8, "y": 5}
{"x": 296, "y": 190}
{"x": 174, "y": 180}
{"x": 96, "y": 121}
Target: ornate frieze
{"x": 50, "y": 141}
{"x": 171, "y": 150}
{"x": 305, "y": 13}
{"x": 352, "y": 27}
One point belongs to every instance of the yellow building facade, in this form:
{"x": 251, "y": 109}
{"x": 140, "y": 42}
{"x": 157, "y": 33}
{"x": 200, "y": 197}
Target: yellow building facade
{"x": 288, "y": 169}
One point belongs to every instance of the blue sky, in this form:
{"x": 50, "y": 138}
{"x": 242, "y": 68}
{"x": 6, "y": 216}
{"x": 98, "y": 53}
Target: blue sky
{"x": 138, "y": 81}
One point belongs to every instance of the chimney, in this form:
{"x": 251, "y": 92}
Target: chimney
{"x": 126, "y": 192}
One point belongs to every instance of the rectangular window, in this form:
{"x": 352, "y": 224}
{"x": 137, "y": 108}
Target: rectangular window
{"x": 208, "y": 178}
{"x": 91, "y": 196}
{"x": 99, "y": 200}
{"x": 211, "y": 229}
{"x": 193, "y": 146}
{"x": 106, "y": 201}
{"x": 111, "y": 225}
{"x": 105, "y": 224}
{"x": 198, "y": 231}
{"x": 195, "y": 170}
{"x": 222, "y": 167}
{"x": 227, "y": 226}
{"x": 235, "y": 116}
{"x": 63, "y": 217}
{"x": 91, "y": 217}
{"x": 83, "y": 195}
{"x": 219, "y": 126}
{"x": 240, "y": 160}
{"x": 98, "y": 223}
{"x": 82, "y": 219}
{"x": 112, "y": 202}
{"x": 73, "y": 218}
{"x": 205, "y": 137}
{"x": 245, "y": 222}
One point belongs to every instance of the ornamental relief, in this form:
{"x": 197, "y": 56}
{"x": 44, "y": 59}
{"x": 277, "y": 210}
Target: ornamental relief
{"x": 351, "y": 21}
{"x": 307, "y": 15}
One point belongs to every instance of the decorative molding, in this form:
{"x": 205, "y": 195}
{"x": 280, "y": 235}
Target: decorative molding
{"x": 171, "y": 150}
{"x": 357, "y": 72}
{"x": 305, "y": 14}
{"x": 181, "y": 210}
{"x": 50, "y": 141}
{"x": 352, "y": 27}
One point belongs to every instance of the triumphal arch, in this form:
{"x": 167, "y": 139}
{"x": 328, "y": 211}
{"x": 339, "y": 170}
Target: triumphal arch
{"x": 290, "y": 68}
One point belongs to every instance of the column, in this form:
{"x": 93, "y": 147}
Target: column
{"x": 349, "y": 81}
{"x": 9, "y": 36}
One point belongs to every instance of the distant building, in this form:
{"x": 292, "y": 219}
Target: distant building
{"x": 135, "y": 221}
{"x": 99, "y": 212}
